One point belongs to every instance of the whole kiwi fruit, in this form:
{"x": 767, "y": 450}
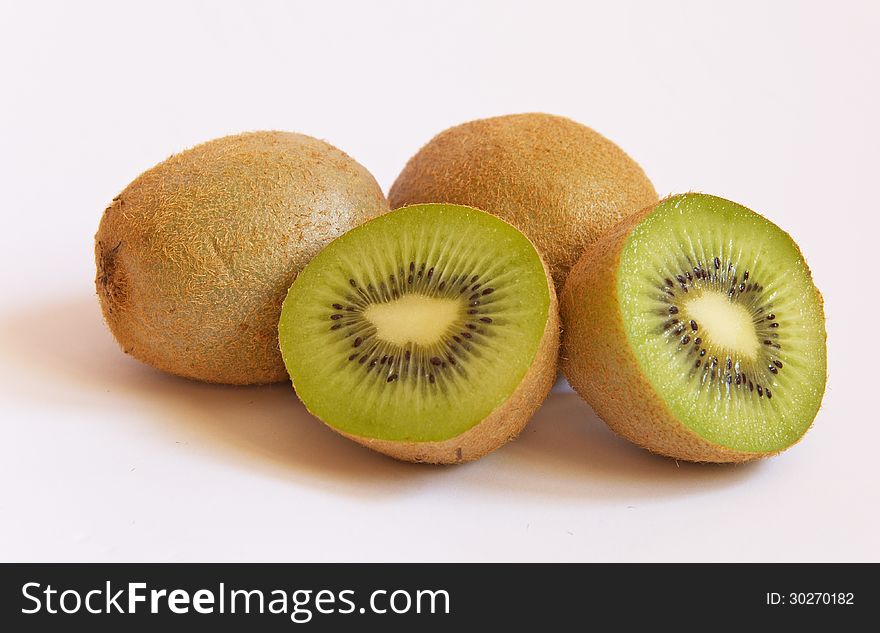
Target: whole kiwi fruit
{"x": 195, "y": 256}
{"x": 559, "y": 182}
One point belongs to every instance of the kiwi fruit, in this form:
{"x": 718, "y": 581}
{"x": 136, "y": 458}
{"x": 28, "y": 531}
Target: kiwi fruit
{"x": 559, "y": 182}
{"x": 429, "y": 334}
{"x": 693, "y": 328}
{"x": 195, "y": 256}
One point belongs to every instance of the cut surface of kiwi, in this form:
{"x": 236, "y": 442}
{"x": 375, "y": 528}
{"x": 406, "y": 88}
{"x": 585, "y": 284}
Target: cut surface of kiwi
{"x": 695, "y": 329}
{"x": 417, "y": 327}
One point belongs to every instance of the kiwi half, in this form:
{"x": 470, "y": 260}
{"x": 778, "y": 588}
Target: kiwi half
{"x": 694, "y": 329}
{"x": 195, "y": 256}
{"x": 559, "y": 182}
{"x": 429, "y": 334}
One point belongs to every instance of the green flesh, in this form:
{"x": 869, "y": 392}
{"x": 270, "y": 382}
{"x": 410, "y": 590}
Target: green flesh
{"x": 768, "y": 398}
{"x": 432, "y": 390}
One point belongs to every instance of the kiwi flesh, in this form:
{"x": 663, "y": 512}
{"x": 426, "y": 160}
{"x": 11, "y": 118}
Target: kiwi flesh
{"x": 559, "y": 182}
{"x": 694, "y": 329}
{"x": 429, "y": 334}
{"x": 195, "y": 256}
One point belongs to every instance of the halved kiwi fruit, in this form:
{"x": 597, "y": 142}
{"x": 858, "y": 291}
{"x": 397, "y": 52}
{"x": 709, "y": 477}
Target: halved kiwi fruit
{"x": 429, "y": 334}
{"x": 694, "y": 329}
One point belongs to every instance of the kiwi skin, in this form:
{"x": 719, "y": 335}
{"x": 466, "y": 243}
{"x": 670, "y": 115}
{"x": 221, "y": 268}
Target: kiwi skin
{"x": 195, "y": 256}
{"x": 617, "y": 390}
{"x": 557, "y": 181}
{"x": 503, "y": 424}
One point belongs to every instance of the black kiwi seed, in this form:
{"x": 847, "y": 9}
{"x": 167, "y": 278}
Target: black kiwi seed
{"x": 352, "y": 357}
{"x": 336, "y": 326}
{"x": 358, "y": 341}
{"x": 693, "y": 325}
{"x": 760, "y": 390}
{"x": 337, "y": 306}
{"x": 717, "y": 263}
{"x": 673, "y": 310}
{"x": 392, "y": 378}
{"x": 778, "y": 363}
{"x": 486, "y": 319}
{"x": 769, "y": 394}
{"x": 685, "y": 339}
{"x": 335, "y": 317}
{"x": 436, "y": 361}
{"x": 488, "y": 291}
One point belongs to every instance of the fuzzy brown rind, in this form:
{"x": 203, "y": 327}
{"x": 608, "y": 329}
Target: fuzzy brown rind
{"x": 559, "y": 182}
{"x": 503, "y": 424}
{"x": 195, "y": 256}
{"x": 602, "y": 368}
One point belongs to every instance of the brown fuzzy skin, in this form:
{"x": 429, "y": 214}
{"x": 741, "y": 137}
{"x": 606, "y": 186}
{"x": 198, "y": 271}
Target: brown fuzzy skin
{"x": 605, "y": 372}
{"x": 195, "y": 256}
{"x": 559, "y": 182}
{"x": 503, "y": 424}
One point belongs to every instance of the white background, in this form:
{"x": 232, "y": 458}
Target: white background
{"x": 774, "y": 105}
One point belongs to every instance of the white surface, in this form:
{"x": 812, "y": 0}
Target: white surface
{"x": 771, "y": 104}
